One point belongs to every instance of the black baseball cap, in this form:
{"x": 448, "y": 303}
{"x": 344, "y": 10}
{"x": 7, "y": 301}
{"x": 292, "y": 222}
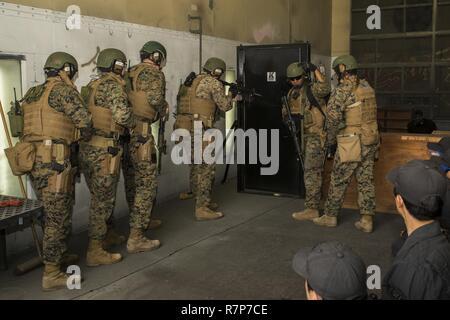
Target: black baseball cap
{"x": 442, "y": 146}
{"x": 333, "y": 270}
{"x": 419, "y": 184}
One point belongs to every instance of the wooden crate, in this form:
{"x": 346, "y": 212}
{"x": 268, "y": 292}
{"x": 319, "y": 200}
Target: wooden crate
{"x": 396, "y": 150}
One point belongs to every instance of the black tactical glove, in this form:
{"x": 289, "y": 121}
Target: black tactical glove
{"x": 234, "y": 90}
{"x": 309, "y": 67}
{"x": 86, "y": 133}
{"x": 331, "y": 151}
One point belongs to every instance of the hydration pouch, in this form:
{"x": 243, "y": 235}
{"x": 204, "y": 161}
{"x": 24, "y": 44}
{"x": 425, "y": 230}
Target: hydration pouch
{"x": 21, "y": 158}
{"x": 349, "y": 148}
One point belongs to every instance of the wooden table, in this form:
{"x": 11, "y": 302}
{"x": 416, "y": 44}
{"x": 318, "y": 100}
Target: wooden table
{"x": 13, "y": 219}
{"x": 396, "y": 149}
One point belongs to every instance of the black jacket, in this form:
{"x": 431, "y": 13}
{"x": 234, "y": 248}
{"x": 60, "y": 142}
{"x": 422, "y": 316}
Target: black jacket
{"x": 421, "y": 269}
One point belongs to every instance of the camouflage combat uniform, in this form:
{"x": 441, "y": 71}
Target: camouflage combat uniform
{"x": 108, "y": 93}
{"x": 140, "y": 160}
{"x": 343, "y": 99}
{"x": 314, "y": 137}
{"x": 58, "y": 203}
{"x": 202, "y": 175}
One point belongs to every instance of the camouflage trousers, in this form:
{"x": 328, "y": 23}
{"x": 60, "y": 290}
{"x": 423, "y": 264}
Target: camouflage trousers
{"x": 58, "y": 209}
{"x": 102, "y": 185}
{"x": 342, "y": 176}
{"x": 140, "y": 183}
{"x": 202, "y": 178}
{"x": 314, "y": 161}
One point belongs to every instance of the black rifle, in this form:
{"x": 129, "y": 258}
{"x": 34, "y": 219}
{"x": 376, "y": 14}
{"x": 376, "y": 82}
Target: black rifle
{"x": 247, "y": 94}
{"x": 233, "y": 127}
{"x": 290, "y": 123}
{"x": 162, "y": 143}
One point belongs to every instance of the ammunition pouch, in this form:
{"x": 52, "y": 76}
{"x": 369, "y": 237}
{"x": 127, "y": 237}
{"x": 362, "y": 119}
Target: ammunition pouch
{"x": 349, "y": 148}
{"x": 21, "y": 158}
{"x": 111, "y": 164}
{"x": 143, "y": 129}
{"x": 15, "y": 124}
{"x": 61, "y": 181}
{"x": 146, "y": 152}
{"x": 48, "y": 152}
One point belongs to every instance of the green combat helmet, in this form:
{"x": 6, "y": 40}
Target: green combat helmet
{"x": 295, "y": 70}
{"x": 153, "y": 47}
{"x": 58, "y": 60}
{"x": 348, "y": 61}
{"x": 108, "y": 57}
{"x": 215, "y": 63}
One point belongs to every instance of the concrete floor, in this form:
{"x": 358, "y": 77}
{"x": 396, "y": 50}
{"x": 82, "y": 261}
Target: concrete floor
{"x": 247, "y": 255}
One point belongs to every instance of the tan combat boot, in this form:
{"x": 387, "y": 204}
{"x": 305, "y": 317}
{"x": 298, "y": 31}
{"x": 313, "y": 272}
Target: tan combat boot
{"x": 112, "y": 239}
{"x": 206, "y": 214}
{"x": 187, "y": 195}
{"x": 326, "y": 221}
{"x": 154, "y": 224}
{"x": 308, "y": 214}
{"x": 97, "y": 256}
{"x": 138, "y": 242}
{"x": 53, "y": 278}
{"x": 365, "y": 224}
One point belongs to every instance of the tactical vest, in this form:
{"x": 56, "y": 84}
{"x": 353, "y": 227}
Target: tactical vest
{"x": 361, "y": 116}
{"x": 138, "y": 99}
{"x": 42, "y": 122}
{"x": 314, "y": 121}
{"x": 199, "y": 108}
{"x": 102, "y": 117}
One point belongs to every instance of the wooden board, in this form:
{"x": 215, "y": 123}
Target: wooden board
{"x": 396, "y": 150}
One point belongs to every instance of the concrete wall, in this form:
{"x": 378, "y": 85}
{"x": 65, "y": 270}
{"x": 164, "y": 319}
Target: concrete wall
{"x": 251, "y": 21}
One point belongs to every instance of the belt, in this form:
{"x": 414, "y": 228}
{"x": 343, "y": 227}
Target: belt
{"x": 59, "y": 151}
{"x": 102, "y": 142}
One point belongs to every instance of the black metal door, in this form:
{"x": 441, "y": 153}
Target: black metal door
{"x": 263, "y": 68}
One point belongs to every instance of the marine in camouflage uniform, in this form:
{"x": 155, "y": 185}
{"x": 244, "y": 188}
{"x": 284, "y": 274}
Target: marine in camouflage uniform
{"x": 307, "y": 100}
{"x": 198, "y": 102}
{"x": 353, "y": 129}
{"x": 100, "y": 157}
{"x": 54, "y": 114}
{"x": 146, "y": 87}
